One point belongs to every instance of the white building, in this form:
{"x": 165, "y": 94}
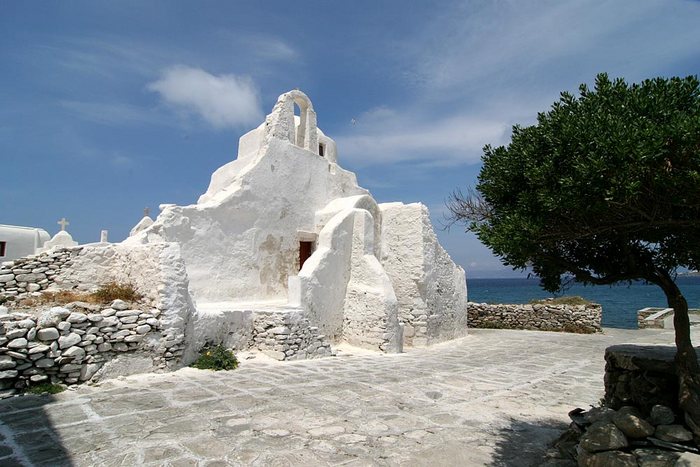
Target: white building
{"x": 284, "y": 228}
{"x": 17, "y": 242}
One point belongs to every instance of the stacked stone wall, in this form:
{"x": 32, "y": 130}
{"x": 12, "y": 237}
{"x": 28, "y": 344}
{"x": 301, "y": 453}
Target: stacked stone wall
{"x": 71, "y": 344}
{"x": 31, "y": 275}
{"x": 567, "y": 318}
{"x": 287, "y": 336}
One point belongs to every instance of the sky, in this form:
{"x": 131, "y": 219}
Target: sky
{"x": 109, "y": 107}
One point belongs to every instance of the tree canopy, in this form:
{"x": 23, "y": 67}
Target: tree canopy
{"x": 604, "y": 188}
{"x": 606, "y": 185}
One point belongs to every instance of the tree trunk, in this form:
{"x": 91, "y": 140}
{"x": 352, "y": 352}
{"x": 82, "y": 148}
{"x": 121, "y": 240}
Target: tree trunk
{"x": 686, "y": 358}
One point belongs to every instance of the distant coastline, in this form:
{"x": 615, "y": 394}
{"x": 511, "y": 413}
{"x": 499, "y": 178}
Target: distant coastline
{"x": 620, "y": 303}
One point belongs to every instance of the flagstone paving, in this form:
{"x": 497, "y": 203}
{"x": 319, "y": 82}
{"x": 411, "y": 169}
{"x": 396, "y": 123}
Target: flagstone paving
{"x": 496, "y": 397}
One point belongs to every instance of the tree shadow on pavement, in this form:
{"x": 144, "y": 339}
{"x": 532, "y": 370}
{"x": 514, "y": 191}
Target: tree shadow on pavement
{"x": 524, "y": 443}
{"x": 27, "y": 433}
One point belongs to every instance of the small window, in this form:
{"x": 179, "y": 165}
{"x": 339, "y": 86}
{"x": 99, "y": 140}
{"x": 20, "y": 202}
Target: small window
{"x": 321, "y": 149}
{"x": 3, "y": 246}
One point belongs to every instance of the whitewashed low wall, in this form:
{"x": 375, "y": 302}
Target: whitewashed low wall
{"x": 430, "y": 288}
{"x": 565, "y": 318}
{"x": 280, "y": 334}
{"x": 81, "y": 342}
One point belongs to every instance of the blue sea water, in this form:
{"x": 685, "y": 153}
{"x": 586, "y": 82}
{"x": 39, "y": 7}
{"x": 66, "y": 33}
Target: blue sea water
{"x": 620, "y": 303}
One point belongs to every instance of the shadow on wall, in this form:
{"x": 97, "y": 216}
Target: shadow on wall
{"x": 27, "y": 434}
{"x": 523, "y": 443}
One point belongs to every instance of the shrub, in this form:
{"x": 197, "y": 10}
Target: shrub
{"x": 59, "y": 298}
{"x": 216, "y": 358}
{"x": 113, "y": 291}
{"x": 566, "y": 300}
{"x": 45, "y": 388}
{"x": 104, "y": 295}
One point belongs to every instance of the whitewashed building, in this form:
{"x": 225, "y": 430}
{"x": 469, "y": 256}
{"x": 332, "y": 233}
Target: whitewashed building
{"x": 285, "y": 228}
{"x": 284, "y": 253}
{"x": 17, "y": 241}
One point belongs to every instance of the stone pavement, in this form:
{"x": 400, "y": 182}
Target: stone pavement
{"x": 496, "y": 397}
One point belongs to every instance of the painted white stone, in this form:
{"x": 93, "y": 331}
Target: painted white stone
{"x": 426, "y": 280}
{"x": 61, "y": 240}
{"x": 375, "y": 270}
{"x": 240, "y": 243}
{"x": 20, "y": 242}
{"x": 245, "y": 227}
{"x": 143, "y": 224}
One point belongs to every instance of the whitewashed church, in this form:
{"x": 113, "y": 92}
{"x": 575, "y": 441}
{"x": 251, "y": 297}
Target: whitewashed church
{"x": 18, "y": 241}
{"x": 284, "y": 253}
{"x": 284, "y": 226}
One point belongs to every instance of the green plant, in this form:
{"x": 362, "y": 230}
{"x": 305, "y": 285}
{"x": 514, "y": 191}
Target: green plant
{"x": 603, "y": 189}
{"x": 216, "y": 358}
{"x": 45, "y": 388}
{"x": 566, "y": 300}
{"x": 113, "y": 291}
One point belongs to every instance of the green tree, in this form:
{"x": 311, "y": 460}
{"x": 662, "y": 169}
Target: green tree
{"x": 604, "y": 188}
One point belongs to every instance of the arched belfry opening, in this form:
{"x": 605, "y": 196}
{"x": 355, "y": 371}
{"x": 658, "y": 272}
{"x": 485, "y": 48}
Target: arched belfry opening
{"x": 305, "y": 135}
{"x": 301, "y": 109}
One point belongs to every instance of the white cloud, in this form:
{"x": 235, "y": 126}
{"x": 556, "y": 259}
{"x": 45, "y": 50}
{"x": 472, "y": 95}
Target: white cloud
{"x": 123, "y": 162}
{"x": 383, "y": 137}
{"x": 224, "y": 101}
{"x": 531, "y": 45}
{"x": 478, "y": 67}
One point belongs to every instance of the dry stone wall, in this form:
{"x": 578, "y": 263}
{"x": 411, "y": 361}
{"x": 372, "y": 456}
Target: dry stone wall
{"x": 288, "y": 336}
{"x": 74, "y": 343}
{"x": 31, "y": 275}
{"x": 568, "y": 318}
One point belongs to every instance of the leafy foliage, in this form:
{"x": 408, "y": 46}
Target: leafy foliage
{"x": 606, "y": 186}
{"x": 216, "y": 358}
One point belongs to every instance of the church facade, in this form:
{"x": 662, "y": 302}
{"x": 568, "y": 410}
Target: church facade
{"x": 284, "y": 254}
{"x": 284, "y": 228}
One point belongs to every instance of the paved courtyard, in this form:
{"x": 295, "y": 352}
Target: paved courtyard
{"x": 496, "y": 397}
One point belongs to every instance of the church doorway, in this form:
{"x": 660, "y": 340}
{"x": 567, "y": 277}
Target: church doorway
{"x": 305, "y": 251}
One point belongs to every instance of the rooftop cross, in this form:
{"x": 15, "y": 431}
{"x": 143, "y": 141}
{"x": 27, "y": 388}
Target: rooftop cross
{"x": 63, "y": 223}
{"x": 146, "y": 212}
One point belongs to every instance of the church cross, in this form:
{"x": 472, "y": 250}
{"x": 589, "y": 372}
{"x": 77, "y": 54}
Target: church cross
{"x": 63, "y": 223}
{"x": 146, "y": 212}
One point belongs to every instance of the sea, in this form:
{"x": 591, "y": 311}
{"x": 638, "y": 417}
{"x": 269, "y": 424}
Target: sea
{"x": 620, "y": 302}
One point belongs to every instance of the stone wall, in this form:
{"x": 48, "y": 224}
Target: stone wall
{"x": 25, "y": 276}
{"x": 641, "y": 375}
{"x": 79, "y": 342}
{"x": 567, "y": 318}
{"x": 288, "y": 336}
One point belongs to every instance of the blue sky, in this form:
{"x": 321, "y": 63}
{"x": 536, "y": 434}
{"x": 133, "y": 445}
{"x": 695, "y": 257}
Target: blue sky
{"x": 109, "y": 107}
